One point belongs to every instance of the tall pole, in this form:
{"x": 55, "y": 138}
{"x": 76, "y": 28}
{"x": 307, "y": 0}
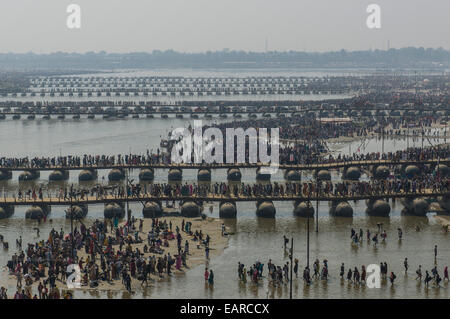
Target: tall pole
{"x": 71, "y": 227}
{"x": 317, "y": 207}
{"x": 317, "y": 216}
{"x": 437, "y": 167}
{"x": 291, "y": 257}
{"x": 307, "y": 235}
{"x": 126, "y": 192}
{"x": 307, "y": 243}
{"x": 445, "y": 132}
{"x": 407, "y": 135}
{"x": 423, "y": 135}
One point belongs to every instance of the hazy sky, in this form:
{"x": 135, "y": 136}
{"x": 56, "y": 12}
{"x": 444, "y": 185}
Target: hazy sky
{"x": 201, "y": 25}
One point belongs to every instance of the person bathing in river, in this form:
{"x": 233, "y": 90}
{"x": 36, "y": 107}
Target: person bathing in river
{"x": 342, "y": 272}
{"x": 392, "y": 278}
{"x": 211, "y": 278}
{"x": 296, "y": 267}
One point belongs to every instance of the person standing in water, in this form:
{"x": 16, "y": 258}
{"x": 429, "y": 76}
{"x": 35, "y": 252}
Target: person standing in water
{"x": 375, "y": 240}
{"x": 342, "y": 273}
{"x": 211, "y": 278}
{"x": 392, "y": 278}
{"x": 363, "y": 274}
{"x": 427, "y": 278}
{"x": 419, "y": 273}
{"x": 244, "y": 275}
{"x": 296, "y": 267}
{"x": 207, "y": 252}
{"x": 144, "y": 276}
{"x": 349, "y": 275}
{"x": 435, "y": 254}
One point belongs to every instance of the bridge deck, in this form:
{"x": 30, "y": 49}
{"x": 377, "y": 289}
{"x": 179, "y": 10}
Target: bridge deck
{"x": 147, "y": 197}
{"x": 232, "y": 165}
{"x": 190, "y": 109}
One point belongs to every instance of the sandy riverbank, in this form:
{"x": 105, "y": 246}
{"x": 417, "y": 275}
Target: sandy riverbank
{"x": 196, "y": 257}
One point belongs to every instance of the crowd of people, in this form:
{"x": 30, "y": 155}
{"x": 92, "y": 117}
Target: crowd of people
{"x": 292, "y": 153}
{"x": 433, "y": 183}
{"x": 149, "y": 158}
{"x": 280, "y": 275}
{"x": 104, "y": 252}
{"x": 307, "y": 144}
{"x": 409, "y": 154}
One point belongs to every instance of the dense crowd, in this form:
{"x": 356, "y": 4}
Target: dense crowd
{"x": 104, "y": 253}
{"x": 411, "y": 154}
{"x": 298, "y": 153}
{"x": 87, "y": 160}
{"x": 432, "y": 183}
{"x": 280, "y": 275}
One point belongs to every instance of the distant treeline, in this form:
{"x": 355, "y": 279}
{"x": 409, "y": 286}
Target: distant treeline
{"x": 403, "y": 58}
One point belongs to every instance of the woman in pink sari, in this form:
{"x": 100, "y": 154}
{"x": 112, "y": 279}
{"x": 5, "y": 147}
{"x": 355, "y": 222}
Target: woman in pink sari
{"x": 255, "y": 276}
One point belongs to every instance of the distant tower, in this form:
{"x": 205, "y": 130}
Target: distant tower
{"x": 266, "y": 44}
{"x": 388, "y": 45}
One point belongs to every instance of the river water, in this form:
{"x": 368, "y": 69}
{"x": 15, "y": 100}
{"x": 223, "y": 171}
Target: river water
{"x": 254, "y": 238}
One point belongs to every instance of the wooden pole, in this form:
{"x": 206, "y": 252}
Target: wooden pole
{"x": 126, "y": 192}
{"x": 307, "y": 243}
{"x": 317, "y": 207}
{"x": 71, "y": 227}
{"x": 291, "y": 257}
